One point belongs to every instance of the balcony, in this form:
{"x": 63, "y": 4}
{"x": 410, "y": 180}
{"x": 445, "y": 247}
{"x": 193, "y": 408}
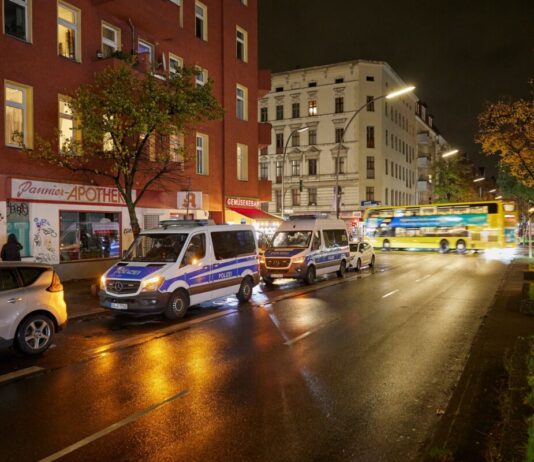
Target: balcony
{"x": 264, "y": 135}
{"x": 264, "y": 82}
{"x": 423, "y": 186}
{"x": 423, "y": 138}
{"x": 423, "y": 162}
{"x": 265, "y": 190}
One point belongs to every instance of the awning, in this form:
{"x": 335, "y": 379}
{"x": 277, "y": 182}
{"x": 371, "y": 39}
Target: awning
{"x": 255, "y": 214}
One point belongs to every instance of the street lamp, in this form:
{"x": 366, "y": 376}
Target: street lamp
{"x": 391, "y": 95}
{"x": 449, "y": 153}
{"x": 476, "y": 180}
{"x": 297, "y": 130}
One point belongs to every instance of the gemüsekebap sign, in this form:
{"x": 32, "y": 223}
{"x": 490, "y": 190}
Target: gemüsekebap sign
{"x": 63, "y": 192}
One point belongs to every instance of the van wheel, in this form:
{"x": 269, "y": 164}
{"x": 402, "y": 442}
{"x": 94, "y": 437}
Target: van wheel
{"x": 177, "y": 306}
{"x": 309, "y": 279}
{"x": 342, "y": 269}
{"x": 35, "y": 334}
{"x": 460, "y": 246}
{"x": 245, "y": 290}
{"x": 358, "y": 266}
{"x": 444, "y": 246}
{"x": 386, "y": 245}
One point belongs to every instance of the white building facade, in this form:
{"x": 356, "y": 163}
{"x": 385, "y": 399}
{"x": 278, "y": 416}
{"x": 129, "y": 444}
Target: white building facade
{"x": 378, "y": 155}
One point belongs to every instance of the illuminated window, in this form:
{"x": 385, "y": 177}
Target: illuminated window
{"x": 295, "y": 168}
{"x": 242, "y": 162}
{"x": 146, "y": 49}
{"x": 18, "y": 113}
{"x": 241, "y": 44}
{"x": 312, "y": 107}
{"x": 175, "y": 63}
{"x": 111, "y": 39}
{"x": 201, "y": 21}
{"x": 69, "y": 134}
{"x": 176, "y": 147}
{"x": 16, "y": 18}
{"x": 241, "y": 102}
{"x": 68, "y": 31}
{"x": 202, "y": 146}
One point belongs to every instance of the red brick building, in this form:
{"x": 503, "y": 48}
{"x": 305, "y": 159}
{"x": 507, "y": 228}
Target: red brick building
{"x": 49, "y": 48}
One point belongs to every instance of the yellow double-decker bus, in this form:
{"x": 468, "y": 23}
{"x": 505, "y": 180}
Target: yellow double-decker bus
{"x": 455, "y": 226}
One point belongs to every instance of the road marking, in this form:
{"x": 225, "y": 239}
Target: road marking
{"x": 308, "y": 333}
{"x": 423, "y": 278}
{"x": 112, "y": 428}
{"x": 390, "y": 293}
{"x": 20, "y": 373}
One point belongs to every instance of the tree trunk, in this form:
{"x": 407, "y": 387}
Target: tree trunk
{"x": 134, "y": 223}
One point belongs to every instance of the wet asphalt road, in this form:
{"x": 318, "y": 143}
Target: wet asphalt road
{"x": 352, "y": 370}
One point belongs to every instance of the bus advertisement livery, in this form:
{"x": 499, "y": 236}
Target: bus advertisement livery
{"x": 458, "y": 226}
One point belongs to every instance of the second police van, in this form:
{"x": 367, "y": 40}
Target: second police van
{"x": 181, "y": 264}
{"x": 307, "y": 246}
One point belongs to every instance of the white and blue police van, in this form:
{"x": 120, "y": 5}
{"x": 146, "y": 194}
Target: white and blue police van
{"x": 180, "y": 264}
{"x": 306, "y": 246}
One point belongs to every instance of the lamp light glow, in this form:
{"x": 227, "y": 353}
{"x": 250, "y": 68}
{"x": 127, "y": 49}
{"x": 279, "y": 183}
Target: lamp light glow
{"x": 303, "y": 129}
{"x": 498, "y": 197}
{"x": 402, "y": 91}
{"x": 450, "y": 153}
{"x": 476, "y": 180}
{"x": 492, "y": 191}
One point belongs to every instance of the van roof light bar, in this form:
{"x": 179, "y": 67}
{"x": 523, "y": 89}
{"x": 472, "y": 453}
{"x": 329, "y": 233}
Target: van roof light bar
{"x": 310, "y": 216}
{"x": 177, "y": 222}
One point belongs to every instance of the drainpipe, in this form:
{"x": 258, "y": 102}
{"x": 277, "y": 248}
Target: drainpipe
{"x": 134, "y": 49}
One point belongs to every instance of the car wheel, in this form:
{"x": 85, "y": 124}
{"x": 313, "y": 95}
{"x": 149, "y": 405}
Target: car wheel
{"x": 310, "y": 275}
{"x": 358, "y": 265}
{"x": 372, "y": 264}
{"x": 444, "y": 246}
{"x": 460, "y": 246}
{"x": 177, "y": 306}
{"x": 245, "y": 290}
{"x": 35, "y": 334}
{"x": 386, "y": 245}
{"x": 342, "y": 269}
{"x": 269, "y": 281}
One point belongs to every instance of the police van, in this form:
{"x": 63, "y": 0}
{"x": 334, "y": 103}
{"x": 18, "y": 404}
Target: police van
{"x": 181, "y": 264}
{"x": 307, "y": 246}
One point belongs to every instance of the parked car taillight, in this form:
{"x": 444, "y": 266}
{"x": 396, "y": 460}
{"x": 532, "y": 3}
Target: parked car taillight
{"x": 56, "y": 285}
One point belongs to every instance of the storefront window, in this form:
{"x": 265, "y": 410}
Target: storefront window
{"x": 18, "y": 223}
{"x": 86, "y": 235}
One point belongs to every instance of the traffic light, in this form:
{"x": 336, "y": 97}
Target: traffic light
{"x": 301, "y": 185}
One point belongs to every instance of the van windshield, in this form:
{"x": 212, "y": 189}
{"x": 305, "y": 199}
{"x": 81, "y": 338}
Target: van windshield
{"x": 162, "y": 248}
{"x": 299, "y": 239}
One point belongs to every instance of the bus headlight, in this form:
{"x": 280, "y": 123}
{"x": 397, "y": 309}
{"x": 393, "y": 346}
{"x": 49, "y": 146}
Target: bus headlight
{"x": 152, "y": 284}
{"x": 298, "y": 260}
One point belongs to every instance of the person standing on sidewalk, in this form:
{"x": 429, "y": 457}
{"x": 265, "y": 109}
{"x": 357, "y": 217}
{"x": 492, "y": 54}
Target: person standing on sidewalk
{"x": 11, "y": 250}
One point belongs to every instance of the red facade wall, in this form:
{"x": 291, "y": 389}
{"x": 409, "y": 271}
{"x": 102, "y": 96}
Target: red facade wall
{"x": 38, "y": 65}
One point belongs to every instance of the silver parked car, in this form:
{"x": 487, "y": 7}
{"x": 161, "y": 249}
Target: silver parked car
{"x": 361, "y": 254}
{"x": 32, "y": 306}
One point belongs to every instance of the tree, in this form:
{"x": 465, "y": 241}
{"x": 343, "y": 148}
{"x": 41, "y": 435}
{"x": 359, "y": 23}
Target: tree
{"x": 130, "y": 124}
{"x": 506, "y": 128}
{"x": 452, "y": 181}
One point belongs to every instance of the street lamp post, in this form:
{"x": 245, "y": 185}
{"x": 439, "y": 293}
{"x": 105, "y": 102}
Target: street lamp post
{"x": 391, "y": 95}
{"x": 297, "y": 130}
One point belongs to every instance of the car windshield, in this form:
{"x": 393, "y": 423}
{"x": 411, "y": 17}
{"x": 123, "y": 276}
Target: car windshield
{"x": 353, "y": 247}
{"x": 162, "y": 248}
{"x": 292, "y": 239}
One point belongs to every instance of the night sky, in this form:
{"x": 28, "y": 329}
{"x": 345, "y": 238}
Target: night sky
{"x": 459, "y": 54}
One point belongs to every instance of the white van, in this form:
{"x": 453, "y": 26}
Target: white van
{"x": 181, "y": 264}
{"x": 306, "y": 246}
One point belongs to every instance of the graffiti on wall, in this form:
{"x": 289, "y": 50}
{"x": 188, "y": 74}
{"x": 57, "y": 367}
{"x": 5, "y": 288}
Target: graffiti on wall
{"x": 42, "y": 240}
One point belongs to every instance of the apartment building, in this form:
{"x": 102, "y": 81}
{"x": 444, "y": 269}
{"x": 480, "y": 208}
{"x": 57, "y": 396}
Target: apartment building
{"x": 49, "y": 48}
{"x": 376, "y": 161}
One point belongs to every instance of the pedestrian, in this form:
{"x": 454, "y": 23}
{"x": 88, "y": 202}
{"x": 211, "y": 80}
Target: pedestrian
{"x": 11, "y": 250}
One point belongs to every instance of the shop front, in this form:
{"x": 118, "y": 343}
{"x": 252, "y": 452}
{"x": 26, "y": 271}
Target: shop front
{"x": 241, "y": 210}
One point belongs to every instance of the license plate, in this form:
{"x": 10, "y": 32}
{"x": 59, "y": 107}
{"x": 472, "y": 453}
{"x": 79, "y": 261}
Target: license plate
{"x": 277, "y": 276}
{"x": 119, "y": 306}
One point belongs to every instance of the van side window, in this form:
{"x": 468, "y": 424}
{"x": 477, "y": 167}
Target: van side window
{"x": 231, "y": 244}
{"x": 329, "y": 237}
{"x": 316, "y": 244}
{"x": 196, "y": 248}
{"x": 341, "y": 237}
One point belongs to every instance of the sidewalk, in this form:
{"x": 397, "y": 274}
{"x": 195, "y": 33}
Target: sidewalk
{"x": 472, "y": 420}
{"x": 80, "y": 301}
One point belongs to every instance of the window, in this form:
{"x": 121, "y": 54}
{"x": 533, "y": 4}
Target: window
{"x": 196, "y": 250}
{"x": 312, "y": 107}
{"x": 312, "y": 136}
{"x": 202, "y": 146}
{"x": 264, "y": 170}
{"x": 370, "y": 137}
{"x": 370, "y": 104}
{"x": 111, "y": 39}
{"x": 312, "y": 196}
{"x": 295, "y": 110}
{"x": 146, "y": 49}
{"x": 88, "y": 235}
{"x": 279, "y": 112}
{"x": 278, "y": 200}
{"x": 340, "y": 165}
{"x": 29, "y": 275}
{"x": 242, "y": 162}
{"x": 241, "y": 102}
{"x": 264, "y": 114}
{"x": 16, "y": 18}
{"x": 295, "y": 139}
{"x": 201, "y": 21}
{"x": 339, "y": 80}
{"x": 201, "y": 76}
{"x": 338, "y": 103}
{"x": 68, "y": 31}
{"x": 68, "y": 132}
{"x": 339, "y": 135}
{"x": 369, "y": 193}
{"x": 386, "y": 197}
{"x": 231, "y": 244}
{"x": 244, "y": 2}
{"x": 241, "y": 44}
{"x": 18, "y": 113}
{"x": 369, "y": 78}
{"x": 312, "y": 167}
{"x": 18, "y": 223}
{"x": 279, "y": 171}
{"x": 279, "y": 143}
{"x": 176, "y": 147}
{"x": 370, "y": 167}
{"x": 295, "y": 168}
{"x": 8, "y": 281}
{"x": 175, "y": 64}
{"x": 295, "y": 197}
{"x": 312, "y": 84}
{"x": 387, "y": 163}
{"x": 386, "y": 107}
{"x": 335, "y": 238}
{"x": 279, "y": 89}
